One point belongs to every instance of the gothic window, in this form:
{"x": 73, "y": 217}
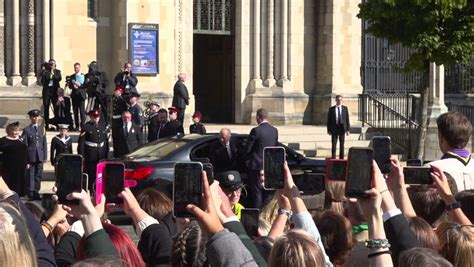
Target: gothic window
{"x": 212, "y": 16}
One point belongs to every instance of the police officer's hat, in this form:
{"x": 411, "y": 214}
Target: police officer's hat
{"x": 34, "y": 113}
{"x": 63, "y": 126}
{"x": 135, "y": 94}
{"x": 229, "y": 180}
{"x": 197, "y": 114}
{"x": 172, "y": 110}
{"x": 94, "y": 113}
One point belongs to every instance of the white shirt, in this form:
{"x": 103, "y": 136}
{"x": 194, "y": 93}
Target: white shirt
{"x": 127, "y": 127}
{"x": 338, "y": 111}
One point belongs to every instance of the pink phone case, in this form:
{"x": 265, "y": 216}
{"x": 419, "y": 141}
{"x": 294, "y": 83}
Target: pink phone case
{"x": 99, "y": 181}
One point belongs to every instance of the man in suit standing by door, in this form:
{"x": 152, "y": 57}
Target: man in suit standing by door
{"x": 180, "y": 96}
{"x": 338, "y": 126}
{"x": 260, "y": 137}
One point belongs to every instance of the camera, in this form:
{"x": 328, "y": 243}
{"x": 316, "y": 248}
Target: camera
{"x": 46, "y": 66}
{"x": 126, "y": 72}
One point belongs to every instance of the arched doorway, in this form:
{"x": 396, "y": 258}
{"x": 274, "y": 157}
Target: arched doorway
{"x": 213, "y": 59}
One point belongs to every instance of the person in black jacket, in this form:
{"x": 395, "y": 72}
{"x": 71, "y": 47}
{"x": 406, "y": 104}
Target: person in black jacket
{"x": 153, "y": 121}
{"x": 165, "y": 128}
{"x": 197, "y": 127}
{"x": 96, "y": 82}
{"x": 62, "y": 109}
{"x": 13, "y": 158}
{"x": 177, "y": 124}
{"x": 50, "y": 78}
{"x": 127, "y": 80}
{"x": 260, "y": 137}
{"x": 180, "y": 96}
{"x": 338, "y": 126}
{"x": 78, "y": 95}
{"x": 129, "y": 137}
{"x": 60, "y": 144}
{"x": 119, "y": 106}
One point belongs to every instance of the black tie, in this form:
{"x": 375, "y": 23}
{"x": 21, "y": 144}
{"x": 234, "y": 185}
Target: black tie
{"x": 339, "y": 115}
{"x": 36, "y": 128}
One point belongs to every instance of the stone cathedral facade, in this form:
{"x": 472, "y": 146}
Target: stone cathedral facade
{"x": 289, "y": 56}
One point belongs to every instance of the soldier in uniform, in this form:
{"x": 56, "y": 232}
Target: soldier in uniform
{"x": 153, "y": 122}
{"x": 173, "y": 115}
{"x": 119, "y": 106}
{"x": 136, "y": 110}
{"x": 197, "y": 127}
{"x": 93, "y": 144}
{"x": 61, "y": 144}
{"x": 34, "y": 137}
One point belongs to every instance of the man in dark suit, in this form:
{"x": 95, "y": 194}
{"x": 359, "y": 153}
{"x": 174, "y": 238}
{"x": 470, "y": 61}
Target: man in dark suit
{"x": 223, "y": 154}
{"x": 50, "y": 78}
{"x": 34, "y": 137}
{"x": 165, "y": 128}
{"x": 78, "y": 96}
{"x": 338, "y": 126}
{"x": 129, "y": 138}
{"x": 260, "y": 137}
{"x": 180, "y": 96}
{"x": 62, "y": 110}
{"x": 127, "y": 80}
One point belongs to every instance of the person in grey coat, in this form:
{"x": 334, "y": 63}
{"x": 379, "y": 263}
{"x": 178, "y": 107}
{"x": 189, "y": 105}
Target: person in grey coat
{"x": 34, "y": 137}
{"x": 180, "y": 96}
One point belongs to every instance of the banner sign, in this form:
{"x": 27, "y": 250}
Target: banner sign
{"x": 143, "y": 48}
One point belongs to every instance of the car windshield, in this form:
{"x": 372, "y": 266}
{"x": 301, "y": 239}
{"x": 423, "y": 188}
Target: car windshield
{"x": 160, "y": 149}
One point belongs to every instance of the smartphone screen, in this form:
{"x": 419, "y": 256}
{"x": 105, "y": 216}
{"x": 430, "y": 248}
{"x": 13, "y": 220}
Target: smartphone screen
{"x": 68, "y": 177}
{"x": 337, "y": 170}
{"x": 113, "y": 178}
{"x": 209, "y": 169}
{"x": 359, "y": 171}
{"x": 249, "y": 219}
{"x": 273, "y": 161}
{"x": 417, "y": 175}
{"x": 382, "y": 151}
{"x": 187, "y": 187}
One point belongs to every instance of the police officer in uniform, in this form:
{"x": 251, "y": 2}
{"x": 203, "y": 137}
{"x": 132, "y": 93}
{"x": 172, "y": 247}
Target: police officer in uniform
{"x": 34, "y": 137}
{"x": 136, "y": 110}
{"x": 61, "y": 144}
{"x": 153, "y": 122}
{"x": 93, "y": 144}
{"x": 119, "y": 106}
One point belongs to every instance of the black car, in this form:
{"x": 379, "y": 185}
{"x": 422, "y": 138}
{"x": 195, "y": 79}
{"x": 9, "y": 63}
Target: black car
{"x": 153, "y": 163}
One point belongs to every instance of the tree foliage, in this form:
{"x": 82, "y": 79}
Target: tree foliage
{"x": 439, "y": 31}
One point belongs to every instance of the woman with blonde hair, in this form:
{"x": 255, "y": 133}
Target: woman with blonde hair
{"x": 296, "y": 248}
{"x": 16, "y": 246}
{"x": 456, "y": 243}
{"x": 335, "y": 196}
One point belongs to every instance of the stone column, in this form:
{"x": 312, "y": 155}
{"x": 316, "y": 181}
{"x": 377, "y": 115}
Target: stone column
{"x": 256, "y": 42}
{"x": 30, "y": 35}
{"x": 284, "y": 44}
{"x": 270, "y": 79}
{"x": 436, "y": 104}
{"x": 3, "y": 78}
{"x": 15, "y": 78}
{"x": 46, "y": 31}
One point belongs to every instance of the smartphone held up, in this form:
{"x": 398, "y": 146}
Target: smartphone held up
{"x": 187, "y": 187}
{"x": 68, "y": 177}
{"x": 359, "y": 171}
{"x": 273, "y": 160}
